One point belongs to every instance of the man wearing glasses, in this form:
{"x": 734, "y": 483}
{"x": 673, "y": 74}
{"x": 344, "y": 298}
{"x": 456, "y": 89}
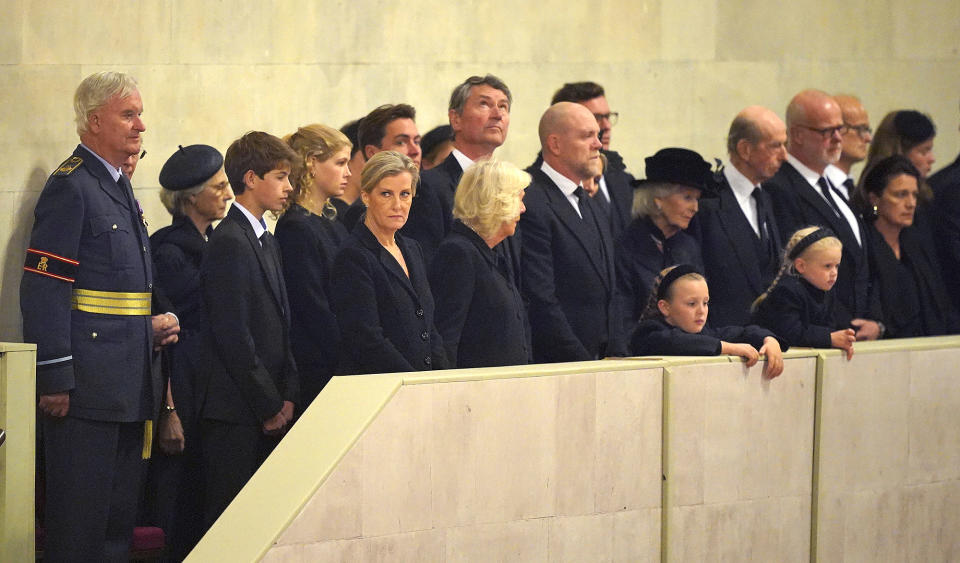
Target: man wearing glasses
{"x": 802, "y": 195}
{"x": 616, "y": 191}
{"x": 856, "y": 140}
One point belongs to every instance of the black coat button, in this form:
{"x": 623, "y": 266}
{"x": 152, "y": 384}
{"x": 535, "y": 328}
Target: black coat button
{"x": 424, "y": 335}
{"x": 427, "y": 360}
{"x": 420, "y": 312}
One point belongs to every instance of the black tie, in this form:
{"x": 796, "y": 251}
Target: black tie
{"x": 761, "y": 214}
{"x": 825, "y": 190}
{"x": 589, "y": 219}
{"x": 582, "y": 202}
{"x": 848, "y": 183}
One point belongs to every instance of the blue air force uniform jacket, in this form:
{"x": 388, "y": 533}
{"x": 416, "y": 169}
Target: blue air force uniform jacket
{"x": 85, "y": 294}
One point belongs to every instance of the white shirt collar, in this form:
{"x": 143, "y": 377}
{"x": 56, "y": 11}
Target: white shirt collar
{"x": 462, "y": 159}
{"x": 742, "y": 189}
{"x": 808, "y": 174}
{"x": 566, "y": 185}
{"x": 836, "y": 176}
{"x": 114, "y": 172}
{"x": 258, "y": 228}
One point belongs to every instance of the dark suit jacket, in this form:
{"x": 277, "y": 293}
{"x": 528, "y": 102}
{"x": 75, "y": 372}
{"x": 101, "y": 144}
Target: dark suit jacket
{"x": 619, "y": 185}
{"x": 249, "y": 322}
{"x": 385, "y": 318}
{"x": 308, "y": 244}
{"x": 431, "y": 213}
{"x": 946, "y": 218}
{"x": 730, "y": 255}
{"x": 639, "y": 260}
{"x": 480, "y": 313}
{"x": 570, "y": 287}
{"x": 796, "y": 204}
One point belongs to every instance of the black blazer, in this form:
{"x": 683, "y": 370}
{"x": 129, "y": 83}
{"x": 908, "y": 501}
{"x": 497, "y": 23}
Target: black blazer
{"x": 946, "y": 219}
{"x": 570, "y": 286}
{"x": 800, "y": 313}
{"x": 639, "y": 261}
{"x": 656, "y": 337}
{"x": 796, "y": 204}
{"x": 386, "y": 319}
{"x": 733, "y": 264}
{"x": 247, "y": 306}
{"x": 919, "y": 305}
{"x": 308, "y": 244}
{"x": 431, "y": 213}
{"x": 480, "y": 313}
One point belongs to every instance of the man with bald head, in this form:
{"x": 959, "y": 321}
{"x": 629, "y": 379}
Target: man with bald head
{"x": 568, "y": 272}
{"x": 856, "y": 141}
{"x": 737, "y": 231}
{"x": 803, "y": 196}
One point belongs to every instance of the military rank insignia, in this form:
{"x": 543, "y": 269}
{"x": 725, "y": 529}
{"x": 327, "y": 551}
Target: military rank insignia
{"x": 68, "y": 166}
{"x": 50, "y": 265}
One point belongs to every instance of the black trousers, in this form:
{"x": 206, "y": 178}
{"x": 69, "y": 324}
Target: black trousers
{"x": 231, "y": 454}
{"x": 94, "y": 472}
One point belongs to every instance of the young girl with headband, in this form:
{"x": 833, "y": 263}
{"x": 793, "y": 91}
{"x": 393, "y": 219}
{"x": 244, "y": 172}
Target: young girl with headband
{"x": 674, "y": 324}
{"x": 798, "y": 305}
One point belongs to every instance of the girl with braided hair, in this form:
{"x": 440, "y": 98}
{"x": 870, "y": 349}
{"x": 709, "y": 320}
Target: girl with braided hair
{"x": 799, "y": 305}
{"x": 675, "y": 323}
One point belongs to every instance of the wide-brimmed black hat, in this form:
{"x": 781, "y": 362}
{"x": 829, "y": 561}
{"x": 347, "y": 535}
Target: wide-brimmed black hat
{"x": 679, "y": 166}
{"x": 190, "y": 166}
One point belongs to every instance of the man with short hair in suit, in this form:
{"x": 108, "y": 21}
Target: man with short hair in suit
{"x": 252, "y": 391}
{"x": 568, "y": 262}
{"x": 479, "y": 114}
{"x": 803, "y": 196}
{"x": 616, "y": 184}
{"x": 856, "y": 141}
{"x": 390, "y": 127}
{"x": 946, "y": 192}
{"x": 737, "y": 231}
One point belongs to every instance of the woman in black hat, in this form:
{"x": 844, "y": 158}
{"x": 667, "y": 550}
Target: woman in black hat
{"x": 195, "y": 192}
{"x": 309, "y": 236}
{"x": 663, "y": 205}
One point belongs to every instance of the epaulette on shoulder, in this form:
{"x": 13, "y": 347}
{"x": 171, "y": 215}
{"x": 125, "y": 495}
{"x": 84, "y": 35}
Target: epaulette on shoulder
{"x": 68, "y": 166}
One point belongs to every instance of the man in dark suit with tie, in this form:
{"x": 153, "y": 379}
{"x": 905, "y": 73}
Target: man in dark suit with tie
{"x": 856, "y": 141}
{"x": 615, "y": 188}
{"x": 803, "y": 196}
{"x": 479, "y": 114}
{"x": 737, "y": 231}
{"x": 568, "y": 268}
{"x": 253, "y": 387}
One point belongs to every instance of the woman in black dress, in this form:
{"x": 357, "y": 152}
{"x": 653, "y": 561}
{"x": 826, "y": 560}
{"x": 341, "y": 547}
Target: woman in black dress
{"x": 905, "y": 271}
{"x": 196, "y": 192}
{"x": 663, "y": 205}
{"x": 480, "y": 313}
{"x": 309, "y": 236}
{"x": 379, "y": 285}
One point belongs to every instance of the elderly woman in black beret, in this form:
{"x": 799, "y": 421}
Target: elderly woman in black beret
{"x": 663, "y": 205}
{"x": 195, "y": 192}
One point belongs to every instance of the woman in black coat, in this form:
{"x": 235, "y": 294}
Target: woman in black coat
{"x": 480, "y": 313}
{"x": 663, "y": 205}
{"x": 379, "y": 284}
{"x": 904, "y": 269}
{"x": 309, "y": 236}
{"x": 196, "y": 192}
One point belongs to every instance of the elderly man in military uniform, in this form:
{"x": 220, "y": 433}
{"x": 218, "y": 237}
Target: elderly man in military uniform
{"x": 85, "y": 298}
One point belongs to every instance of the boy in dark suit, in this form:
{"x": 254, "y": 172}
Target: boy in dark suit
{"x": 249, "y": 399}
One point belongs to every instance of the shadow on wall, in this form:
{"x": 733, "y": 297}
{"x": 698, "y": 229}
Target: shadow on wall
{"x": 16, "y": 246}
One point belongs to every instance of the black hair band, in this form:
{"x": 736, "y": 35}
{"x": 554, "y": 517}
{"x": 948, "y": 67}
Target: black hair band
{"x": 804, "y": 243}
{"x": 675, "y": 273}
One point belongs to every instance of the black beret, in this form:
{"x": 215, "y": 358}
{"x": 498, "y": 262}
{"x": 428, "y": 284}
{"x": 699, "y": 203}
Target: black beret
{"x": 679, "y": 166}
{"x": 914, "y": 126}
{"x": 190, "y": 166}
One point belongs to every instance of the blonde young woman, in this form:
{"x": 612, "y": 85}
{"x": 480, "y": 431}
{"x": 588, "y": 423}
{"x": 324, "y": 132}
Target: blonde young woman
{"x": 309, "y": 236}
